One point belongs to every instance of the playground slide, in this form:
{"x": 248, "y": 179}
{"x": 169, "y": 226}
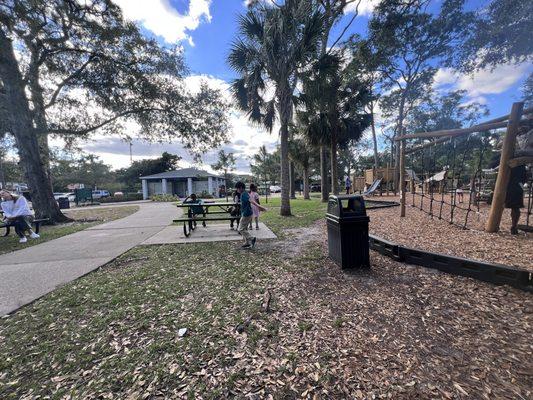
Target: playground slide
{"x": 373, "y": 188}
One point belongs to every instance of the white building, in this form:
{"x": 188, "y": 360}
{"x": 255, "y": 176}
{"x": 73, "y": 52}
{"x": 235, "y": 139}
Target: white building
{"x": 182, "y": 183}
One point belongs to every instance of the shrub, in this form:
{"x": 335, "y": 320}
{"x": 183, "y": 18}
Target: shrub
{"x": 205, "y": 195}
{"x": 125, "y": 197}
{"x": 164, "y": 197}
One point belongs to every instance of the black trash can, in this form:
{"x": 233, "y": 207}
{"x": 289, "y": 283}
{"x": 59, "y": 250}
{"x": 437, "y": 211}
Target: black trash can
{"x": 347, "y": 224}
{"x": 63, "y": 203}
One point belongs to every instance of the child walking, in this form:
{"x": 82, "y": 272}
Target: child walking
{"x": 246, "y": 215}
{"x": 255, "y": 209}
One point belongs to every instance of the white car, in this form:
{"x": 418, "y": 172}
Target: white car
{"x": 98, "y": 194}
{"x": 58, "y": 195}
{"x": 275, "y": 189}
{"x": 71, "y": 196}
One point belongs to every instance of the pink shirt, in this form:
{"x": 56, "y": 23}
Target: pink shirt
{"x": 255, "y": 197}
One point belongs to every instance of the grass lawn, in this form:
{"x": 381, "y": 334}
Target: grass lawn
{"x": 279, "y": 322}
{"x": 304, "y": 213}
{"x": 83, "y": 219}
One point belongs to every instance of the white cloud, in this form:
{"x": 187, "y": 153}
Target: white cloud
{"x": 244, "y": 138}
{"x": 163, "y": 20}
{"x": 365, "y": 7}
{"x": 482, "y": 82}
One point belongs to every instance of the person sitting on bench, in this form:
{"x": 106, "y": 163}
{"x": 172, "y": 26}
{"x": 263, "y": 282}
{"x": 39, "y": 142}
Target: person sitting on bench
{"x": 17, "y": 213}
{"x": 195, "y": 210}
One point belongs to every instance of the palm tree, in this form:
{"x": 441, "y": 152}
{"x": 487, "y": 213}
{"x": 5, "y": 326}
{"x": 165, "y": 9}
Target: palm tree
{"x": 301, "y": 153}
{"x": 333, "y": 108}
{"x": 266, "y": 166}
{"x": 226, "y": 163}
{"x": 274, "y": 43}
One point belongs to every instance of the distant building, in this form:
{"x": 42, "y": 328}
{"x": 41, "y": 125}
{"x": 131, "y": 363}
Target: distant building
{"x": 182, "y": 183}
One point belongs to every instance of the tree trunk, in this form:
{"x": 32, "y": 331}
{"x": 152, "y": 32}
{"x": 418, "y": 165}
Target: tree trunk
{"x": 374, "y": 137}
{"x": 334, "y": 167}
{"x": 39, "y": 112}
{"x": 13, "y": 100}
{"x": 324, "y": 174}
{"x": 399, "y": 132}
{"x": 391, "y": 157}
{"x": 226, "y": 184}
{"x": 306, "y": 183}
{"x": 285, "y": 111}
{"x": 293, "y": 180}
{"x": 324, "y": 187}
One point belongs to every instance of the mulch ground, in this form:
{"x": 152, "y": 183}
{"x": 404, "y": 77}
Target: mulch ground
{"x": 419, "y": 230}
{"x": 396, "y": 331}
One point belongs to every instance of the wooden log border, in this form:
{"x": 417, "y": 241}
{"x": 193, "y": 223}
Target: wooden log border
{"x": 497, "y": 274}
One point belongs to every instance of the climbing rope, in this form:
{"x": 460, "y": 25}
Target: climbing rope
{"x": 453, "y": 172}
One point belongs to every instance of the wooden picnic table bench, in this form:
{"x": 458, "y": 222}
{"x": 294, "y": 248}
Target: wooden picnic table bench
{"x": 190, "y": 222}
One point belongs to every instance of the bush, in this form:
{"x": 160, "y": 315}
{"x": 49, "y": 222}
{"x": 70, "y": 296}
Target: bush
{"x": 125, "y": 197}
{"x": 164, "y": 197}
{"x": 205, "y": 195}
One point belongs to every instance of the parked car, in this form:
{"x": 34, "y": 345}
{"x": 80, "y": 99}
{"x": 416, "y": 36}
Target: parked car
{"x": 71, "y": 196}
{"x": 275, "y": 189}
{"x": 315, "y": 187}
{"x": 98, "y": 194}
{"x": 118, "y": 194}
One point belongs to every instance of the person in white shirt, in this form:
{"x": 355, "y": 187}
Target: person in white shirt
{"x": 17, "y": 213}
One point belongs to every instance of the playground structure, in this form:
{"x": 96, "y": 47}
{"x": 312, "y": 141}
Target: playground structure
{"x": 380, "y": 180}
{"x": 446, "y": 184}
{"x": 384, "y": 175}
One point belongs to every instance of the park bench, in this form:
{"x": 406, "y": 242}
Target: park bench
{"x": 36, "y": 223}
{"x": 190, "y": 222}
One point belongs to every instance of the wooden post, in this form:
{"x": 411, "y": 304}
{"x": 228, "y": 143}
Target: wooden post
{"x": 504, "y": 171}
{"x": 402, "y": 179}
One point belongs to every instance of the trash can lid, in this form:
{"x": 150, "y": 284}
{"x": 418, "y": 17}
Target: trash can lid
{"x": 345, "y": 206}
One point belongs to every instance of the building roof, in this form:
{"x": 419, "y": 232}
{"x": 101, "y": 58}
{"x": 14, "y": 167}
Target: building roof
{"x": 412, "y": 175}
{"x": 182, "y": 173}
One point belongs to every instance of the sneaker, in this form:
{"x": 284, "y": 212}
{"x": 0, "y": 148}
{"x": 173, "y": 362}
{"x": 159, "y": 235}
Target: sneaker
{"x": 253, "y": 242}
{"x": 257, "y": 227}
{"x": 514, "y": 231}
{"x": 35, "y": 235}
{"x": 23, "y": 239}
{"x": 246, "y": 246}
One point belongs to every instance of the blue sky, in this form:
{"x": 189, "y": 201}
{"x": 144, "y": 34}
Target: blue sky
{"x": 206, "y": 28}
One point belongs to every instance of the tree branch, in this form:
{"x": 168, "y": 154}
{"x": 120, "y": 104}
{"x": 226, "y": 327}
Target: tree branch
{"x": 67, "y": 80}
{"x": 356, "y": 13}
{"x": 103, "y": 123}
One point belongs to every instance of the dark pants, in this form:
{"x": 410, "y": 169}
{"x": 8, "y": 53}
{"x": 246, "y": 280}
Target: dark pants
{"x": 233, "y": 220}
{"x": 21, "y": 224}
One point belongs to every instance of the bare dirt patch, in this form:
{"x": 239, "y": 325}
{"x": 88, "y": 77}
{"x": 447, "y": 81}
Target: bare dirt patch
{"x": 294, "y": 240}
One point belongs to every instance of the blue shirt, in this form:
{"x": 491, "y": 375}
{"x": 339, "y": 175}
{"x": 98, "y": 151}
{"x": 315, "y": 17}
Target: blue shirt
{"x": 246, "y": 206}
{"x": 195, "y": 209}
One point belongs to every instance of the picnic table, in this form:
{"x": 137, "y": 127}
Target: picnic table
{"x": 194, "y": 210}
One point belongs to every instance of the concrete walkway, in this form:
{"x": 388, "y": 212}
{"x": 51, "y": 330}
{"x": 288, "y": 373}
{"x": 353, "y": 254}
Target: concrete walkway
{"x": 28, "y": 274}
{"x": 214, "y": 232}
